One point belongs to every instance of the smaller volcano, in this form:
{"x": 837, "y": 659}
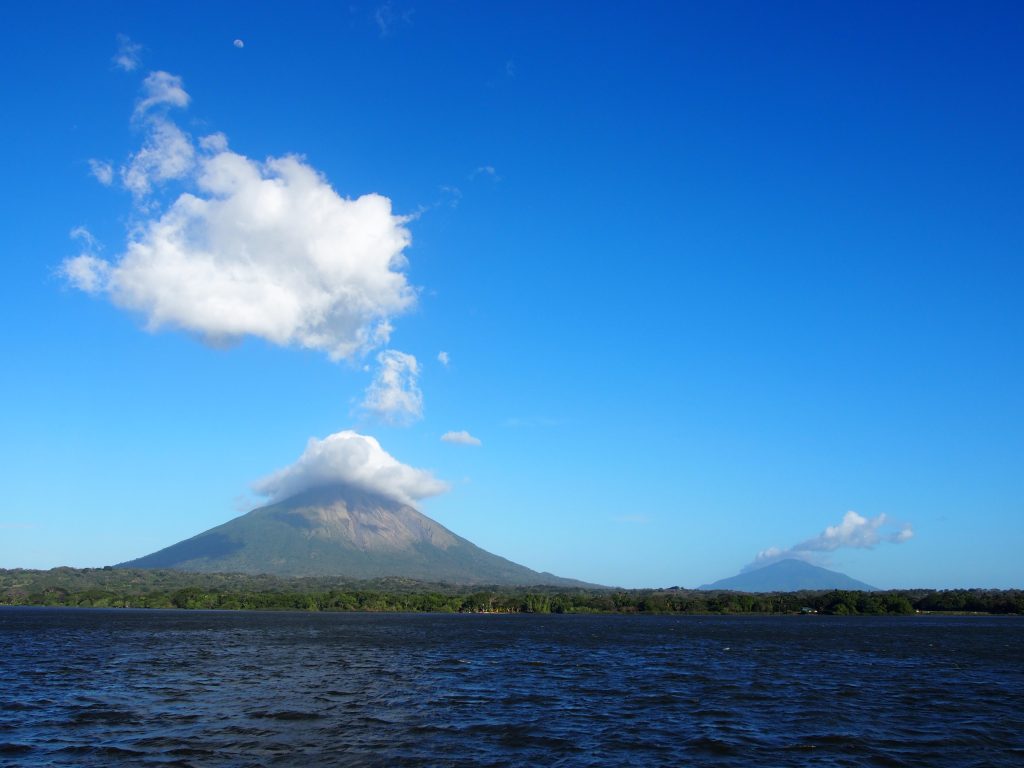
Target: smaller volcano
{"x": 341, "y": 531}
{"x": 789, "y": 576}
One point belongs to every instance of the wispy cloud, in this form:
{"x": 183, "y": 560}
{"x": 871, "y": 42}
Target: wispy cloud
{"x": 386, "y": 17}
{"x": 353, "y": 459}
{"x": 249, "y": 248}
{"x": 162, "y": 89}
{"x": 83, "y": 234}
{"x": 102, "y": 171}
{"x": 128, "y": 54}
{"x": 487, "y": 171}
{"x": 442, "y": 357}
{"x": 394, "y": 395}
{"x": 167, "y": 154}
{"x": 86, "y": 272}
{"x": 461, "y": 437}
{"x": 854, "y": 531}
{"x": 239, "y": 43}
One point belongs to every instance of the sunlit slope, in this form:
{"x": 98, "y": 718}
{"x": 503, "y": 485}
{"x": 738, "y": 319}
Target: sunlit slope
{"x": 341, "y": 531}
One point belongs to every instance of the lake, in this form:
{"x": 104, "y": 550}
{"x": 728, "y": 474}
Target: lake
{"x": 82, "y": 687}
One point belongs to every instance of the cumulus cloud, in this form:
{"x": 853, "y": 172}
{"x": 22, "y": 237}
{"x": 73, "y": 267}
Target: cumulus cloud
{"x": 462, "y": 437}
{"x": 443, "y": 358}
{"x": 102, "y": 171}
{"x": 854, "y": 531}
{"x": 353, "y": 459}
{"x": 394, "y": 394}
{"x": 127, "y": 56}
{"x": 255, "y": 248}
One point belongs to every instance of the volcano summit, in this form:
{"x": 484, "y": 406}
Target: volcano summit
{"x": 338, "y": 530}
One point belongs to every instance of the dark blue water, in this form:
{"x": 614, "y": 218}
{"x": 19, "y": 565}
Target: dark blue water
{"x": 125, "y": 688}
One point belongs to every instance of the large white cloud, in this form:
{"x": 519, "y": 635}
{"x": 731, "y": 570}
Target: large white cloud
{"x": 854, "y": 531}
{"x": 259, "y": 248}
{"x": 353, "y": 459}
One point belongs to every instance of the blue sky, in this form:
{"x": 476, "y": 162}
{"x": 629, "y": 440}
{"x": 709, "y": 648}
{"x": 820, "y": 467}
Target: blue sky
{"x": 708, "y": 277}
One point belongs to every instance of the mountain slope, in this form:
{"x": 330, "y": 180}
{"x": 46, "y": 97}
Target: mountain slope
{"x": 788, "y": 576}
{"x": 341, "y": 531}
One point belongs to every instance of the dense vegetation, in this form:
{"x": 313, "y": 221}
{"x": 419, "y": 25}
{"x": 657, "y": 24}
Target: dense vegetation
{"x": 128, "y": 588}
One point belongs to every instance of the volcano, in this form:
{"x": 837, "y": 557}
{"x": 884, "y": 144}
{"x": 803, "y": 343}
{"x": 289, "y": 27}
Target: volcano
{"x": 788, "y": 576}
{"x": 344, "y": 532}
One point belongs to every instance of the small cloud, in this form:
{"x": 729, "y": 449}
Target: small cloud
{"x": 86, "y": 273}
{"x": 353, "y": 459}
{"x": 162, "y": 88}
{"x": 384, "y": 17}
{"x": 215, "y": 142}
{"x": 394, "y": 395}
{"x": 102, "y": 171}
{"x": 486, "y": 170}
{"x": 854, "y": 532}
{"x": 167, "y": 154}
{"x": 83, "y": 234}
{"x": 462, "y": 438}
{"x": 443, "y": 358}
{"x": 905, "y": 534}
{"x": 510, "y": 68}
{"x": 454, "y": 195}
{"x": 127, "y": 56}
{"x": 239, "y": 43}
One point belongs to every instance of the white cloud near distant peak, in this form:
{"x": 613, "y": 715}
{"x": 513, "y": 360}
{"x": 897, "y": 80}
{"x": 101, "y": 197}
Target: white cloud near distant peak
{"x": 854, "y": 531}
{"x": 461, "y": 437}
{"x": 252, "y": 248}
{"x": 102, "y": 171}
{"x": 127, "y": 56}
{"x": 394, "y": 394}
{"x": 351, "y": 458}
{"x": 442, "y": 357}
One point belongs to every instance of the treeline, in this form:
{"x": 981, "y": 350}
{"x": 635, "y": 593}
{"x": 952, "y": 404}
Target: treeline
{"x": 122, "y": 588}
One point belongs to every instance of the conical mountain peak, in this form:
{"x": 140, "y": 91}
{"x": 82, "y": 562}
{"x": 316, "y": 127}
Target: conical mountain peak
{"x": 343, "y": 531}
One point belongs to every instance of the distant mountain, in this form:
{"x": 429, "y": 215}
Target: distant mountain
{"x": 788, "y": 576}
{"x": 344, "y": 532}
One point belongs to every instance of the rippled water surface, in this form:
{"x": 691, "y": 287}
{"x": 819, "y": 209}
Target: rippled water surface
{"x": 121, "y": 688}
